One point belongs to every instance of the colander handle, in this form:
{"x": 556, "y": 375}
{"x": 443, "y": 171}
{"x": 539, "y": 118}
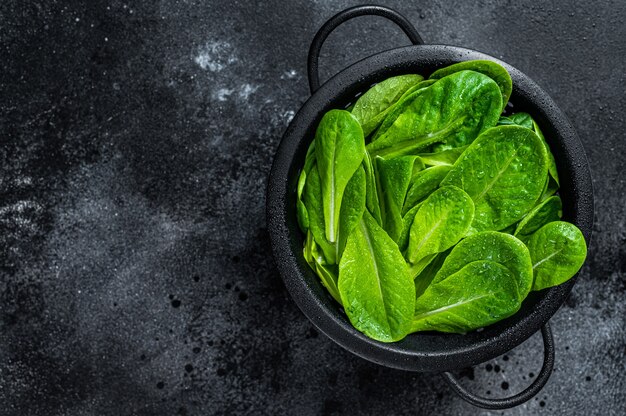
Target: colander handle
{"x": 339, "y": 18}
{"x": 524, "y": 396}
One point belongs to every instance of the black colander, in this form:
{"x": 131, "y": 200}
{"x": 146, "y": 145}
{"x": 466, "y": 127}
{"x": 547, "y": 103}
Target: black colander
{"x": 424, "y": 352}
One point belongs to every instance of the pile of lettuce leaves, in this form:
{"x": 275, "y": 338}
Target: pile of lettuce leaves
{"x": 426, "y": 209}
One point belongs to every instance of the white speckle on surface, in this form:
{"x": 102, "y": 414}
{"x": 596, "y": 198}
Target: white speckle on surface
{"x": 289, "y": 74}
{"x": 288, "y": 115}
{"x": 205, "y": 62}
{"x": 246, "y": 90}
{"x": 215, "y": 56}
{"x": 20, "y": 207}
{"x": 222, "y": 94}
{"x": 21, "y": 181}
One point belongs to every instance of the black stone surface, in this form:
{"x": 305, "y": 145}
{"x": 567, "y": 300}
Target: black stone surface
{"x": 136, "y": 139}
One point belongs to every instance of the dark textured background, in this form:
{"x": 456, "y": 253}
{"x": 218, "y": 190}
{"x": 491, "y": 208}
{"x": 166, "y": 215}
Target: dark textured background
{"x": 136, "y": 140}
